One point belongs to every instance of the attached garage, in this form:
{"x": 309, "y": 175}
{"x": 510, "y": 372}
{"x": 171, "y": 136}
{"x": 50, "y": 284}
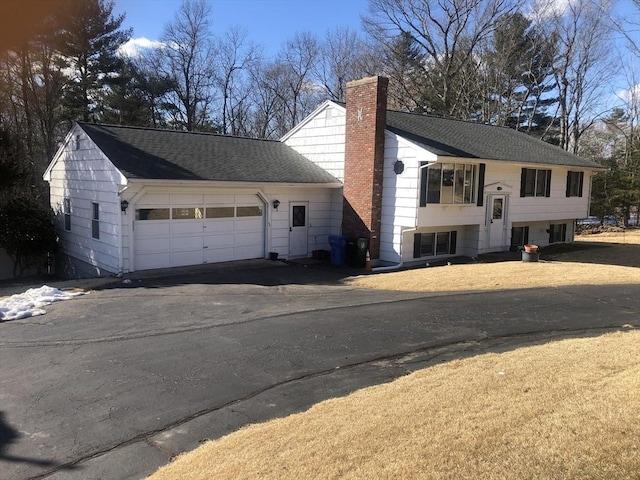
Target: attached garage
{"x": 172, "y": 230}
{"x": 133, "y": 198}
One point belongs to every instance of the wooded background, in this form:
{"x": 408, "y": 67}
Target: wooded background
{"x": 543, "y": 67}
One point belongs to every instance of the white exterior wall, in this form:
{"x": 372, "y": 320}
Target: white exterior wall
{"x": 502, "y": 178}
{"x": 321, "y": 138}
{"x": 322, "y": 212}
{"x": 85, "y": 176}
{"x": 400, "y": 197}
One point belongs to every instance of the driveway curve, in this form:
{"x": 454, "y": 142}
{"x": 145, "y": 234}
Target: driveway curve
{"x": 114, "y": 383}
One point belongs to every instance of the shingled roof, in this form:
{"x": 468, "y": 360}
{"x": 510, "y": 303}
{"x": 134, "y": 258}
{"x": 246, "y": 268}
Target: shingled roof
{"x": 456, "y": 138}
{"x": 144, "y": 153}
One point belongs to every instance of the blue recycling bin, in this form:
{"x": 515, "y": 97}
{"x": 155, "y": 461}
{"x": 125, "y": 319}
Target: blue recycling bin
{"x": 338, "y": 244}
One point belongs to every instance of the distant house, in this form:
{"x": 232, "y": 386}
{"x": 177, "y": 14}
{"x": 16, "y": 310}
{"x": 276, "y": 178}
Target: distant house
{"x": 423, "y": 187}
{"x": 417, "y": 187}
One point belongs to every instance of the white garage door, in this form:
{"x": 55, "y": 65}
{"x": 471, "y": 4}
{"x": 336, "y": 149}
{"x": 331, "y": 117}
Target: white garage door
{"x": 173, "y": 230}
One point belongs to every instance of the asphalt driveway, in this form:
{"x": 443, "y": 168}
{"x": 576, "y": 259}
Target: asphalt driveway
{"x": 112, "y": 384}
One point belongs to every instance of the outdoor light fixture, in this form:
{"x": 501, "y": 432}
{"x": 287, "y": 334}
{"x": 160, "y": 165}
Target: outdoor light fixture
{"x": 124, "y": 205}
{"x": 276, "y": 204}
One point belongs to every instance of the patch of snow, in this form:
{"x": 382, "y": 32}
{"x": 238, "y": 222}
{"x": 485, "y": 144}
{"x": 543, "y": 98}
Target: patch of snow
{"x": 30, "y": 303}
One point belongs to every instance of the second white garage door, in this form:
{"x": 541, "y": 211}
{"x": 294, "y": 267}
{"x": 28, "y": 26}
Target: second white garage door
{"x": 172, "y": 230}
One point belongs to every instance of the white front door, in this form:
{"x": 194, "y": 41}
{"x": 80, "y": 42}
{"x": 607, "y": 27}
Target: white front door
{"x": 497, "y": 215}
{"x": 298, "y": 229}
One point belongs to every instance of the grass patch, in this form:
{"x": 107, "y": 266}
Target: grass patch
{"x": 566, "y": 409}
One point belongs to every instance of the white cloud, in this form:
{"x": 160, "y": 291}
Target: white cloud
{"x": 134, "y": 47}
{"x": 540, "y": 10}
{"x": 631, "y": 95}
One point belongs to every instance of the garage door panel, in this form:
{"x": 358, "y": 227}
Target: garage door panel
{"x": 252, "y": 251}
{"x": 252, "y": 224}
{"x": 186, "y": 244}
{"x": 213, "y": 255}
{"x": 220, "y": 241}
{"x": 179, "y": 259}
{"x": 233, "y": 229}
{"x": 186, "y": 227}
{"x": 152, "y": 229}
{"x": 219, "y": 225}
{"x": 249, "y": 238}
{"x": 153, "y": 245}
{"x": 156, "y": 260}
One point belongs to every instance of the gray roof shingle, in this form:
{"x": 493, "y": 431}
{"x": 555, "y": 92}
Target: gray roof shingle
{"x": 457, "y": 138}
{"x": 144, "y": 153}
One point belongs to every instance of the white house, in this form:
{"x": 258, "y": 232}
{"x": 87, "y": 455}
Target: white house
{"x": 133, "y": 198}
{"x": 416, "y": 187}
{"x": 423, "y": 187}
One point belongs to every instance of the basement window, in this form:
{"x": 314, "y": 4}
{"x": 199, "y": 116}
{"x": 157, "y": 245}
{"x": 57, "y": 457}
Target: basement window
{"x": 433, "y": 244}
{"x": 557, "y": 233}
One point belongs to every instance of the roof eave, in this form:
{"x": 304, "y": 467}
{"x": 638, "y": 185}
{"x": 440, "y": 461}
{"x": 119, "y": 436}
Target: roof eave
{"x": 227, "y": 184}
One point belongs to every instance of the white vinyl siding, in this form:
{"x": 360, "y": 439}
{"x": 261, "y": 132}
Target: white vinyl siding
{"x": 82, "y": 175}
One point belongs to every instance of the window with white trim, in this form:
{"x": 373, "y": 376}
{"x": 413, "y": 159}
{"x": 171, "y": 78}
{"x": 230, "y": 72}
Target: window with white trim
{"x": 535, "y": 183}
{"x": 557, "y": 232}
{"x": 575, "y": 181}
{"x": 433, "y": 244}
{"x": 448, "y": 183}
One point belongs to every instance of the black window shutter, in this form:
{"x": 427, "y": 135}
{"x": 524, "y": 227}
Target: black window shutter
{"x": 548, "y": 192}
{"x": 523, "y": 179}
{"x": 580, "y": 182}
{"x": 564, "y": 232}
{"x": 417, "y": 240}
{"x": 453, "y": 240}
{"x": 569, "y": 175}
{"x": 551, "y": 233}
{"x": 423, "y": 184}
{"x": 481, "y": 173}
{"x": 526, "y": 235}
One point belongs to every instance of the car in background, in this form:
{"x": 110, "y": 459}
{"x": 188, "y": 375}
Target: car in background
{"x": 591, "y": 221}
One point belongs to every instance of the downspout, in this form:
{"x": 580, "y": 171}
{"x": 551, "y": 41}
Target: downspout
{"x": 402, "y": 232}
{"x": 398, "y": 265}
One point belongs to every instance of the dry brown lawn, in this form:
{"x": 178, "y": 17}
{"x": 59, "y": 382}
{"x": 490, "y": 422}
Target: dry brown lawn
{"x": 602, "y": 259}
{"x": 567, "y": 409}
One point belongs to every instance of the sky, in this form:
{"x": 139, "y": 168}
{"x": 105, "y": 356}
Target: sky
{"x": 268, "y": 22}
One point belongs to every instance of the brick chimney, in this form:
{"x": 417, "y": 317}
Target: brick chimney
{"x": 364, "y": 158}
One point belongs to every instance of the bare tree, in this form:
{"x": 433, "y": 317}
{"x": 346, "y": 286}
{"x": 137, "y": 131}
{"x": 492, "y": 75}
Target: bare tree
{"x": 446, "y": 33}
{"x": 581, "y": 67}
{"x": 298, "y": 89}
{"x": 187, "y": 58}
{"x": 342, "y": 59}
{"x": 235, "y": 58}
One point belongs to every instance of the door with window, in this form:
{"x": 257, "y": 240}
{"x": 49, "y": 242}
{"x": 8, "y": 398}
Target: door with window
{"x": 298, "y": 229}
{"x": 497, "y": 215}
